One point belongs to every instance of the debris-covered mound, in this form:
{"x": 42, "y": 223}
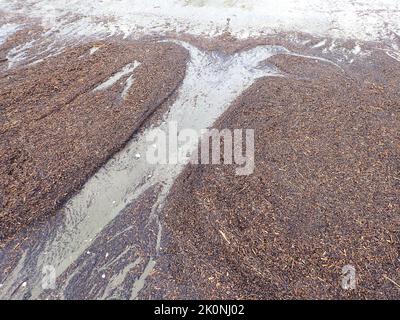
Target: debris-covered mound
{"x": 325, "y": 193}
{"x": 63, "y": 117}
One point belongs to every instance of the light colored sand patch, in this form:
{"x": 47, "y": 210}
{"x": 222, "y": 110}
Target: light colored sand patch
{"x": 129, "y": 68}
{"x": 394, "y": 55}
{"x": 93, "y": 50}
{"x": 332, "y": 46}
{"x": 7, "y": 30}
{"x": 320, "y": 44}
{"x": 128, "y": 85}
{"x": 356, "y": 50}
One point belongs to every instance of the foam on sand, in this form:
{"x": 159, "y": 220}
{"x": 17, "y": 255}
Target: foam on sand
{"x": 362, "y": 19}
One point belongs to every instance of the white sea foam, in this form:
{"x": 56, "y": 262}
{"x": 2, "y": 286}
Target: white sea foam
{"x": 361, "y": 19}
{"x": 7, "y": 30}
